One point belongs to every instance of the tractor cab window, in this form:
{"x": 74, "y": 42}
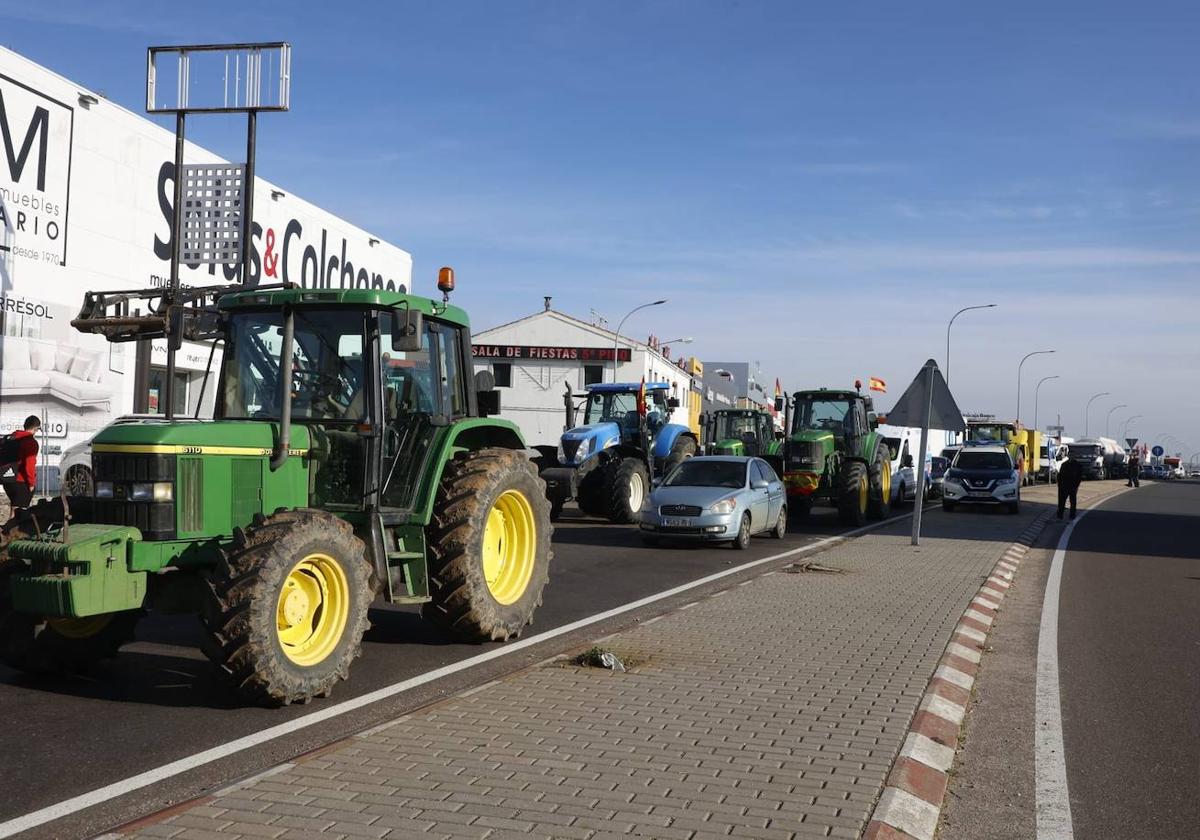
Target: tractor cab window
{"x": 328, "y": 379}
{"x": 330, "y": 392}
{"x": 737, "y": 427}
{"x": 830, "y": 415}
{"x": 621, "y": 408}
{"x": 997, "y": 432}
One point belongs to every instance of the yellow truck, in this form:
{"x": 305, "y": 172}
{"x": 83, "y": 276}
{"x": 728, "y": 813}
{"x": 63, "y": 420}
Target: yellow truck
{"x": 1024, "y": 445}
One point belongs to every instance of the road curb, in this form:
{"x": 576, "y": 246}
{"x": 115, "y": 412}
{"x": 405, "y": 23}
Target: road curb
{"x": 910, "y": 805}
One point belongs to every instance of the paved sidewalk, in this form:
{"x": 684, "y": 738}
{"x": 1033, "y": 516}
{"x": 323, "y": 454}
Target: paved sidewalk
{"x": 774, "y": 709}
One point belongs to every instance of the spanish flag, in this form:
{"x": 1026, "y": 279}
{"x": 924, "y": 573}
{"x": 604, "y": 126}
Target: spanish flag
{"x": 877, "y": 384}
{"x": 641, "y": 398}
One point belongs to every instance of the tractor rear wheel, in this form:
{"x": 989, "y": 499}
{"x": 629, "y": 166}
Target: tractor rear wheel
{"x": 853, "y": 493}
{"x": 627, "y": 483}
{"x": 880, "y": 505}
{"x": 287, "y": 606}
{"x": 681, "y": 450}
{"x": 489, "y": 546}
{"x": 36, "y": 644}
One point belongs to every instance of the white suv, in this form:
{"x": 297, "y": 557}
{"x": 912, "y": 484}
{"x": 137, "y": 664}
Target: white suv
{"x": 982, "y": 475}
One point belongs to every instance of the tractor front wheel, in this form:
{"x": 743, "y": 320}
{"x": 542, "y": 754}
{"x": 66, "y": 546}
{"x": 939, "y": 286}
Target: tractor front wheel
{"x": 627, "y": 485}
{"x": 880, "y": 504}
{"x": 853, "y": 494}
{"x": 489, "y": 546}
{"x": 39, "y": 645}
{"x": 287, "y": 606}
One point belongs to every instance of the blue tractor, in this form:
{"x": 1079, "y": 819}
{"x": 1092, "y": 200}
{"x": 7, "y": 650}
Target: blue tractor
{"x": 607, "y": 464}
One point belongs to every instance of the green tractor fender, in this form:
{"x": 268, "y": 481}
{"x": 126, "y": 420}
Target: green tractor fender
{"x": 467, "y": 435}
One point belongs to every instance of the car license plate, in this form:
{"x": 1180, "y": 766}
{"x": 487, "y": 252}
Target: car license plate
{"x": 677, "y": 522}
{"x": 975, "y": 494}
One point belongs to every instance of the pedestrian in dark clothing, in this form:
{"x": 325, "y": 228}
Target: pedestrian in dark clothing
{"x": 1070, "y": 475}
{"x": 22, "y": 460}
{"x": 1133, "y": 465}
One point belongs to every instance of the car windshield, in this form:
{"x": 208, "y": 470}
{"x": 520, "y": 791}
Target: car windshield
{"x": 817, "y": 413}
{"x": 696, "y": 472}
{"x": 1084, "y": 451}
{"x": 983, "y": 461}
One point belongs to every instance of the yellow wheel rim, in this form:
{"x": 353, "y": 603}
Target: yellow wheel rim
{"x": 863, "y": 494}
{"x": 885, "y": 480}
{"x": 79, "y": 628}
{"x": 509, "y": 547}
{"x": 313, "y": 606}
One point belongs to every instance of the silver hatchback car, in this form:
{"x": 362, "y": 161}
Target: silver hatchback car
{"x": 716, "y": 498}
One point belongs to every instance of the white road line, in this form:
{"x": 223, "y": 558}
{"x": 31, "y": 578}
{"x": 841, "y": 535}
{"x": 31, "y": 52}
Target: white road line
{"x": 1050, "y": 762}
{"x": 174, "y": 768}
{"x": 1049, "y": 752}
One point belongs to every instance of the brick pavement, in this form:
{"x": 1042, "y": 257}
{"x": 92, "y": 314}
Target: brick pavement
{"x": 773, "y": 709}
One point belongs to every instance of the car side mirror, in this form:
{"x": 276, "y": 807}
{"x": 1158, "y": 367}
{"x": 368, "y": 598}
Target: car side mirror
{"x": 407, "y": 330}
{"x": 906, "y": 461}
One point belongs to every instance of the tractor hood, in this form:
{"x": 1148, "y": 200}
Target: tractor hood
{"x": 582, "y": 442}
{"x": 729, "y": 446}
{"x": 819, "y": 438}
{"x": 191, "y": 437}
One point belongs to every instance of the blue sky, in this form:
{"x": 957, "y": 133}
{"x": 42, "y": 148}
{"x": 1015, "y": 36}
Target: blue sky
{"x": 817, "y": 187}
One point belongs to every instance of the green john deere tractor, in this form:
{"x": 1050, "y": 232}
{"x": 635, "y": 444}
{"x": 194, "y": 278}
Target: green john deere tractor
{"x": 351, "y": 457}
{"x": 834, "y": 456}
{"x": 736, "y": 431}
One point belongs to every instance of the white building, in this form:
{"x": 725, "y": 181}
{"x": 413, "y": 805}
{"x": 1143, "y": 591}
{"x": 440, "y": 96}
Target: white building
{"x": 85, "y": 205}
{"x": 536, "y": 358}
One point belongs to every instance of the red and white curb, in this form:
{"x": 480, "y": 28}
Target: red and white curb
{"x": 911, "y": 802}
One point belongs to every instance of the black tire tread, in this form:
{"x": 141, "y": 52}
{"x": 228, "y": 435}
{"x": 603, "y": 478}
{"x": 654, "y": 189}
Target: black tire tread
{"x": 461, "y": 604}
{"x": 239, "y": 614}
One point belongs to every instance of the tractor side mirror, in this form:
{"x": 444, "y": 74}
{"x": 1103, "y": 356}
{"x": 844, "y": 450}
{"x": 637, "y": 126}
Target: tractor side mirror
{"x": 779, "y": 403}
{"x": 672, "y": 402}
{"x": 487, "y": 397}
{"x": 408, "y": 327}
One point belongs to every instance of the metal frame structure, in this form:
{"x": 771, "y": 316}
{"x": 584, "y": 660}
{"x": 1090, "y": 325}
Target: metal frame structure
{"x": 214, "y": 202}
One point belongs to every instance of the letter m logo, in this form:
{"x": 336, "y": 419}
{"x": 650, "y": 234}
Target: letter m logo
{"x": 39, "y": 128}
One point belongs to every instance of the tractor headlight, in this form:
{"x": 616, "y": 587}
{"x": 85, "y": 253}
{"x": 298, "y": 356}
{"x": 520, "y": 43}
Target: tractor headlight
{"x": 157, "y": 491}
{"x": 104, "y": 489}
{"x": 584, "y": 450}
{"x": 562, "y": 455}
{"x": 724, "y": 506}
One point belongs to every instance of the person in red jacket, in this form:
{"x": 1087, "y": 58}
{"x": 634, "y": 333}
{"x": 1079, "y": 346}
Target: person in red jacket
{"x": 19, "y": 486}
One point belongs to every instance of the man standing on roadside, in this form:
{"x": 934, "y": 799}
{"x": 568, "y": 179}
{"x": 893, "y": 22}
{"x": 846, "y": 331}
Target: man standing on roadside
{"x": 1070, "y": 474}
{"x": 21, "y": 457}
{"x": 1133, "y": 465}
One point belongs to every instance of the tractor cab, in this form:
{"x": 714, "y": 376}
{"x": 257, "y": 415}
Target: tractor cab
{"x": 622, "y": 404}
{"x": 846, "y": 415}
{"x": 740, "y": 432}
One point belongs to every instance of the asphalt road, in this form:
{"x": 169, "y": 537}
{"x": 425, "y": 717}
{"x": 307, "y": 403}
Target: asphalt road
{"x": 1129, "y": 660}
{"x": 160, "y": 700}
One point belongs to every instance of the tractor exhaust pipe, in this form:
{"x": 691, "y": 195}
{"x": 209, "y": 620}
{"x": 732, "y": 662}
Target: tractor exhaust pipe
{"x": 285, "y": 391}
{"x": 569, "y": 405}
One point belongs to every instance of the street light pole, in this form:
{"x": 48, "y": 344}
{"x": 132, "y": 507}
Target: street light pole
{"x": 1088, "y": 408}
{"x": 1109, "y": 415}
{"x": 617, "y": 334}
{"x": 1125, "y": 434}
{"x": 1027, "y": 355}
{"x": 1035, "y": 397}
{"x": 951, "y": 324}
